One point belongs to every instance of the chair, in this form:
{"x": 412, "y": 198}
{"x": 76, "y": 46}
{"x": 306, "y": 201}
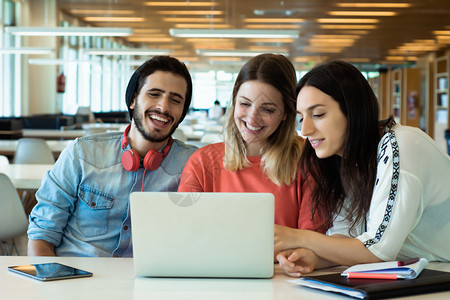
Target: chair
{"x": 33, "y": 151}
{"x": 84, "y": 114}
{"x": 13, "y": 221}
{"x": 4, "y": 161}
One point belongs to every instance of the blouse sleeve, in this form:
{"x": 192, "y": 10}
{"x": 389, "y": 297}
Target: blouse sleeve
{"x": 395, "y": 203}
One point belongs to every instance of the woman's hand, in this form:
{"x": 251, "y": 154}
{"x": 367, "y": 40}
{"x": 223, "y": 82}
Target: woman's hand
{"x": 285, "y": 238}
{"x": 294, "y": 262}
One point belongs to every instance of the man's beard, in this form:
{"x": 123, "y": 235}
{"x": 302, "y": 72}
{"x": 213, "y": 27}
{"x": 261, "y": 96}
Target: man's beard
{"x": 154, "y": 138}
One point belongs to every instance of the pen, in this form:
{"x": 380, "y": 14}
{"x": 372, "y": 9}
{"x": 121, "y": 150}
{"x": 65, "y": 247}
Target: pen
{"x": 407, "y": 261}
{"x": 353, "y": 275}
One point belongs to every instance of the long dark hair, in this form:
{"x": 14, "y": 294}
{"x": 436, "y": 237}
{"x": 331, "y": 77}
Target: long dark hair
{"x": 352, "y": 175}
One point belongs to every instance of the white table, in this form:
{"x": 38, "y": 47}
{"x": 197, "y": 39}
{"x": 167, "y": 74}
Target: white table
{"x": 8, "y": 147}
{"x": 87, "y": 129}
{"x": 114, "y": 279}
{"x": 53, "y": 133}
{"x": 26, "y": 176}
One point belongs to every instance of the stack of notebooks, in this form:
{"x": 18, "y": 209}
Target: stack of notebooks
{"x": 381, "y": 280}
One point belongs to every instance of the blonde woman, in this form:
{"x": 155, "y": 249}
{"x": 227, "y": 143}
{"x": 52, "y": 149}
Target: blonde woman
{"x": 261, "y": 149}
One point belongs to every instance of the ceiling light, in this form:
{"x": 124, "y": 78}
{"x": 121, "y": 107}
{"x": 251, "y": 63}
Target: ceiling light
{"x": 234, "y": 33}
{"x": 103, "y": 12}
{"x": 225, "y": 47}
{"x": 443, "y": 39}
{"x": 193, "y": 20}
{"x": 273, "y": 20}
{"x": 233, "y": 53}
{"x": 150, "y": 39}
{"x": 114, "y": 19}
{"x": 127, "y": 51}
{"x": 268, "y": 48}
{"x": 68, "y": 31}
{"x": 356, "y": 32}
{"x": 334, "y": 26}
{"x": 400, "y": 58}
{"x": 271, "y": 41}
{"x": 312, "y": 49}
{"x": 424, "y": 42}
{"x": 441, "y": 32}
{"x": 334, "y": 20}
{"x": 337, "y": 42}
{"x": 206, "y": 40}
{"x": 171, "y": 46}
{"x": 336, "y": 36}
{"x": 190, "y": 12}
{"x": 363, "y": 13}
{"x": 204, "y": 26}
{"x": 385, "y": 5}
{"x": 58, "y": 61}
{"x": 307, "y": 58}
{"x": 273, "y": 26}
{"x": 145, "y": 31}
{"x": 26, "y": 50}
{"x": 180, "y": 3}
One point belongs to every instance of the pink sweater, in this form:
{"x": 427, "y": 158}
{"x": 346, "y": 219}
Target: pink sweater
{"x": 204, "y": 172}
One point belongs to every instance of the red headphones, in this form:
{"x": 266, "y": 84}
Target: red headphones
{"x": 152, "y": 160}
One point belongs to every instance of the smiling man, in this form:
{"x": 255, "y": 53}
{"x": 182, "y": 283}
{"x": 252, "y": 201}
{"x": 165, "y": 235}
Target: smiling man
{"x": 83, "y": 203}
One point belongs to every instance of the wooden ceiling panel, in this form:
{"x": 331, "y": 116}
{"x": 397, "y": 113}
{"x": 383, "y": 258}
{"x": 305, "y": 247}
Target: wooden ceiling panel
{"x": 416, "y": 22}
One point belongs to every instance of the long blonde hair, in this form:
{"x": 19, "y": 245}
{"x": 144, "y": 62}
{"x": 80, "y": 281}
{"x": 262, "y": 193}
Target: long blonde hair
{"x": 280, "y": 157}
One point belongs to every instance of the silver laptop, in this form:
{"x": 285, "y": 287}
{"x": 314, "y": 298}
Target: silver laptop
{"x": 202, "y": 234}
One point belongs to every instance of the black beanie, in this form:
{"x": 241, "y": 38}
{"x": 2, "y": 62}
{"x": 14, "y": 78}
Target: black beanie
{"x": 131, "y": 89}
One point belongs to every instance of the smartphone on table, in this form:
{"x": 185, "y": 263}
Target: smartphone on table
{"x": 49, "y": 271}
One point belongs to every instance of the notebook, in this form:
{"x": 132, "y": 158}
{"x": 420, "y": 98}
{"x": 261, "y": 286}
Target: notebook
{"x": 428, "y": 281}
{"x": 202, "y": 234}
{"x": 408, "y": 269}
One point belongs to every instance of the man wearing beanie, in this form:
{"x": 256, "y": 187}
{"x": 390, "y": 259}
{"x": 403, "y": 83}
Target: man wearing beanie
{"x": 83, "y": 202}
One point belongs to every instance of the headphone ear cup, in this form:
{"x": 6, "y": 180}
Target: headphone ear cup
{"x": 152, "y": 160}
{"x": 130, "y": 160}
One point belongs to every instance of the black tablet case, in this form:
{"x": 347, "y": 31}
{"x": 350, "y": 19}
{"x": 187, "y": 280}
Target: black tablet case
{"x": 427, "y": 282}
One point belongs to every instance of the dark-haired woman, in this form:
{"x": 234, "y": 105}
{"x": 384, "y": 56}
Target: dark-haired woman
{"x": 385, "y": 187}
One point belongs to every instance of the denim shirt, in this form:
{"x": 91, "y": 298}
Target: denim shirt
{"x": 83, "y": 202}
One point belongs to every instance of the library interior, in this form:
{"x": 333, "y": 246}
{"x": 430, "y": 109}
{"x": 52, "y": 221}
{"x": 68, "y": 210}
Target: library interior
{"x": 65, "y": 66}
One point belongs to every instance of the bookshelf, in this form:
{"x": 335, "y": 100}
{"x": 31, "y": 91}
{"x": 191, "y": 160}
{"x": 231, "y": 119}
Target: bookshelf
{"x": 411, "y": 109}
{"x": 441, "y": 101}
{"x": 378, "y": 85}
{"x": 396, "y": 95}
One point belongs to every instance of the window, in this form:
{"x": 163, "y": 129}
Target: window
{"x": 212, "y": 85}
{"x": 9, "y": 66}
